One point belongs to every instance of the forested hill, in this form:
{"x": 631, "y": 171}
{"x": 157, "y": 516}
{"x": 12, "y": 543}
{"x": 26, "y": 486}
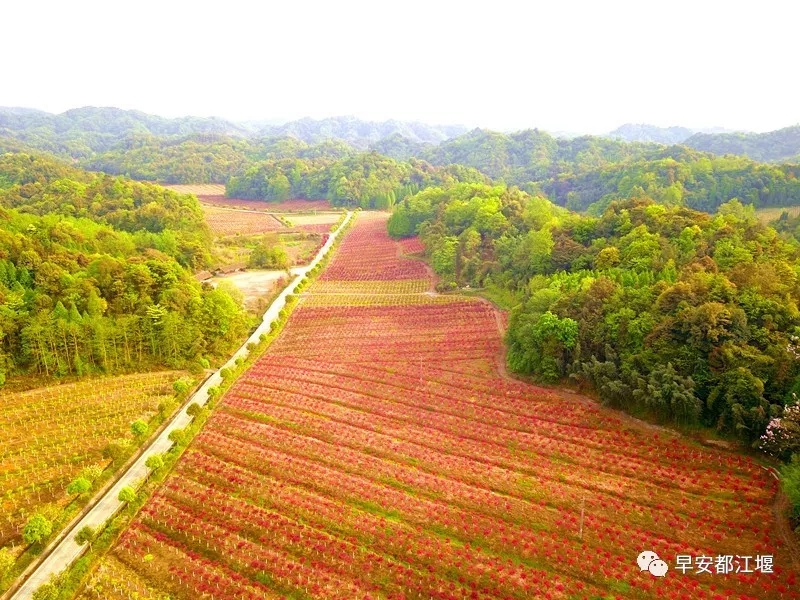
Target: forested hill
{"x": 95, "y": 275}
{"x": 687, "y": 316}
{"x": 581, "y": 172}
{"x": 533, "y": 155}
{"x": 322, "y": 158}
{"x": 640, "y": 132}
{"x": 775, "y": 146}
{"x": 204, "y": 158}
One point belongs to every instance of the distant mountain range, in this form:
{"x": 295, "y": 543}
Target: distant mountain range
{"x": 641, "y": 132}
{"x": 362, "y": 133}
{"x": 775, "y": 146}
{"x": 782, "y": 145}
{"x": 84, "y": 133}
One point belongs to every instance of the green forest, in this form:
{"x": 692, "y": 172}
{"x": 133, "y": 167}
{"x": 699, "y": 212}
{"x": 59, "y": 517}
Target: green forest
{"x": 367, "y": 180}
{"x": 96, "y": 275}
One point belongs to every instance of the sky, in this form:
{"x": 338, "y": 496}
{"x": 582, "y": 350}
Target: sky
{"x": 566, "y": 66}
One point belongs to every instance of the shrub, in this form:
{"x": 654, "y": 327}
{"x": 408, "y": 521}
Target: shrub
{"x": 85, "y": 535}
{"x": 791, "y": 485}
{"x": 37, "y": 529}
{"x": 92, "y": 472}
{"x": 7, "y": 561}
{"x": 181, "y": 386}
{"x": 117, "y": 448}
{"x": 127, "y": 494}
{"x": 48, "y": 591}
{"x": 166, "y": 407}
{"x": 138, "y": 428}
{"x": 178, "y": 436}
{"x": 154, "y": 462}
{"x": 782, "y": 437}
{"x": 79, "y": 486}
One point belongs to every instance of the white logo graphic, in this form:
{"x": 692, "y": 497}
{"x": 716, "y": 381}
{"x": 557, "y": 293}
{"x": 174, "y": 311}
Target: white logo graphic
{"x": 649, "y": 561}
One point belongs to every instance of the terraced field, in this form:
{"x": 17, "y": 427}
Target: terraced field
{"x": 377, "y": 450}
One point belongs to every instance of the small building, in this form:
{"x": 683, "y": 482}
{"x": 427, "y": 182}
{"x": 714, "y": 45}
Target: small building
{"x": 228, "y": 269}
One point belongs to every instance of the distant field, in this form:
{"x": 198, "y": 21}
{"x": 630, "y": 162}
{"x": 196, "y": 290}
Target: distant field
{"x": 202, "y": 189}
{"x": 300, "y": 247}
{"x": 766, "y": 215}
{"x": 48, "y": 435}
{"x": 325, "y": 218}
{"x": 261, "y": 205}
{"x": 312, "y": 223}
{"x": 214, "y": 193}
{"x": 226, "y": 221}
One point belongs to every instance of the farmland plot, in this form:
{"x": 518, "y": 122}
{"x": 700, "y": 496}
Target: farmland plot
{"x": 49, "y": 435}
{"x": 226, "y": 221}
{"x": 377, "y": 450}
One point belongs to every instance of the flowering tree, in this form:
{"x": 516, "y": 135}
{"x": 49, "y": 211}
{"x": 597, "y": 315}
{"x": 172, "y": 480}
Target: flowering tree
{"x": 782, "y": 437}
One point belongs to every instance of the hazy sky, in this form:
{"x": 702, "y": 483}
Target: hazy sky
{"x": 561, "y": 66}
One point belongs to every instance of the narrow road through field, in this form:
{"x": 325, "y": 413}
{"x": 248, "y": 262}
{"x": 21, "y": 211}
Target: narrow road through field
{"x": 67, "y": 551}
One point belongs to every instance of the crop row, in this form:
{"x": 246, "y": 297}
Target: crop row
{"x": 368, "y": 254}
{"x": 400, "y": 286}
{"x": 48, "y": 435}
{"x": 224, "y": 221}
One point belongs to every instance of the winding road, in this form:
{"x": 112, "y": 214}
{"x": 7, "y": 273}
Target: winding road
{"x": 64, "y": 552}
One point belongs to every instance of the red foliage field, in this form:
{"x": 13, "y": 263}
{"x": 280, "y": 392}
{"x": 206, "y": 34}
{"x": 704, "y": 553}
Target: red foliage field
{"x": 381, "y": 452}
{"x": 412, "y": 245}
{"x": 367, "y": 254}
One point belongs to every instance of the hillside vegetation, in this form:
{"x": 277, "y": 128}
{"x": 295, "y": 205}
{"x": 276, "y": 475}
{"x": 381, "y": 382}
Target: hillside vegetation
{"x": 95, "y": 274}
{"x": 82, "y": 133}
{"x": 204, "y": 158}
